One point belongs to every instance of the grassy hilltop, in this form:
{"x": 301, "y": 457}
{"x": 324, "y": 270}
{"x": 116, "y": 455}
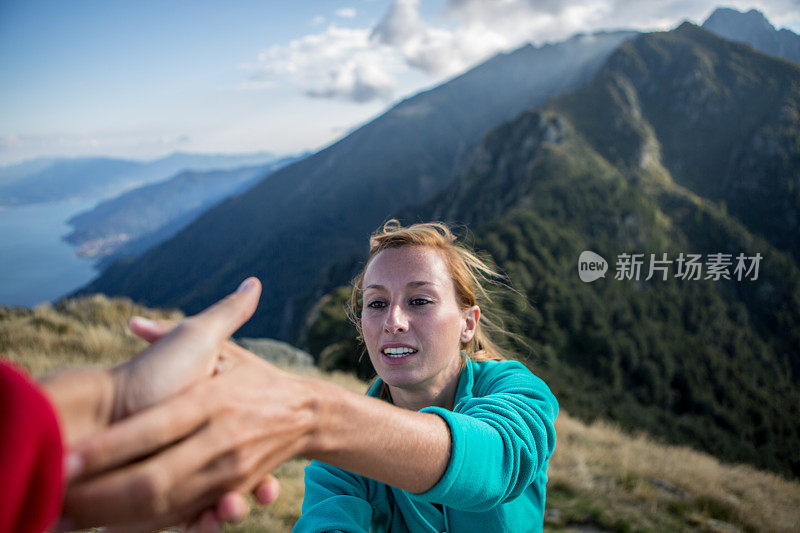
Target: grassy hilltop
{"x": 599, "y": 476}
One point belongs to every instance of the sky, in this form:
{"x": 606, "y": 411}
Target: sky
{"x": 141, "y": 79}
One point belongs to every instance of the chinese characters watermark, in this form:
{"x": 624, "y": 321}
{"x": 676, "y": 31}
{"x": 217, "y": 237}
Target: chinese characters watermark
{"x": 716, "y": 266}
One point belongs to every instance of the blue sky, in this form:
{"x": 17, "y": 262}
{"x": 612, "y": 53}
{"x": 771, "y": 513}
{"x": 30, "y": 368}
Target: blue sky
{"x": 145, "y": 78}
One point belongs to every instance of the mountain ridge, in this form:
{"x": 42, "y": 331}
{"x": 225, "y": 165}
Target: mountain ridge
{"x": 753, "y": 28}
{"x": 140, "y": 218}
{"x": 313, "y": 213}
{"x": 57, "y": 179}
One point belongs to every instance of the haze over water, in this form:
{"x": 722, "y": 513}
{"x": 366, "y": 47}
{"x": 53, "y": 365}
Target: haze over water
{"x": 35, "y": 264}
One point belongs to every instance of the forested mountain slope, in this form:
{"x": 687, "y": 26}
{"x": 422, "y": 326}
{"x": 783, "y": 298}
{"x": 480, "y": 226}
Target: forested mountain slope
{"x": 626, "y": 165}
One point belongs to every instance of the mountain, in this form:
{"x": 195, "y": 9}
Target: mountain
{"x": 56, "y": 179}
{"x": 754, "y": 29}
{"x": 313, "y": 213}
{"x": 17, "y": 171}
{"x": 724, "y": 121}
{"x": 129, "y": 223}
{"x": 167, "y": 166}
{"x": 66, "y": 179}
{"x": 625, "y": 165}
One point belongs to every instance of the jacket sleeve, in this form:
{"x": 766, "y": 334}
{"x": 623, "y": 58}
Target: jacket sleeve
{"x": 502, "y": 439}
{"x": 30, "y": 454}
{"x": 334, "y": 500}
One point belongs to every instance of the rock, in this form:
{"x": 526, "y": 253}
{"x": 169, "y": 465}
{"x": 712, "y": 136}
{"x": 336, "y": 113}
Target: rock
{"x": 277, "y": 352}
{"x": 554, "y": 517}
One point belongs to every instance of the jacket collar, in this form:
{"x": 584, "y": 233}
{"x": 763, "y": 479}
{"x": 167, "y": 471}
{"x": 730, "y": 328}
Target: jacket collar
{"x": 466, "y": 381}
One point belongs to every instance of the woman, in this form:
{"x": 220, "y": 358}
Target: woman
{"x": 447, "y": 439}
{"x": 470, "y": 437}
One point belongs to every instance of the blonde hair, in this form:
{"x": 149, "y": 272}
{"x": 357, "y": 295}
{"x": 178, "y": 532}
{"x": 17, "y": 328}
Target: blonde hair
{"x": 470, "y": 275}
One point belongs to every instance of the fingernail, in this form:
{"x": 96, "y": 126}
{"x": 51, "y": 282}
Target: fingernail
{"x": 73, "y": 465}
{"x": 246, "y": 284}
{"x": 142, "y": 321}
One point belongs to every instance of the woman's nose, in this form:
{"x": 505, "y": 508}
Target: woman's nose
{"x": 396, "y": 320}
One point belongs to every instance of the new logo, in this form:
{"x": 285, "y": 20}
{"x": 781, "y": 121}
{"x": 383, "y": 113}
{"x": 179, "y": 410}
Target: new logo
{"x": 591, "y": 266}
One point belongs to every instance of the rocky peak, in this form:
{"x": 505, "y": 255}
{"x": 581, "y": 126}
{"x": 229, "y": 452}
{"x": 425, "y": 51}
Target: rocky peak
{"x": 754, "y": 29}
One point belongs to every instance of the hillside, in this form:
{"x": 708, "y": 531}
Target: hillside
{"x": 723, "y": 121}
{"x": 709, "y": 362}
{"x": 130, "y": 223}
{"x": 600, "y": 476}
{"x": 312, "y": 214}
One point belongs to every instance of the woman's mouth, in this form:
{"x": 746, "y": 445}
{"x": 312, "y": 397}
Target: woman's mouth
{"x": 397, "y": 353}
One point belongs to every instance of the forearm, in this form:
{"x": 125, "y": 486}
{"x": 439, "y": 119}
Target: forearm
{"x": 83, "y": 400}
{"x": 399, "y": 447}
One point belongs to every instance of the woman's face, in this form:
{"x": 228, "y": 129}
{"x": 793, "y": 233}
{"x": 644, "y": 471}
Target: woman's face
{"x": 413, "y": 326}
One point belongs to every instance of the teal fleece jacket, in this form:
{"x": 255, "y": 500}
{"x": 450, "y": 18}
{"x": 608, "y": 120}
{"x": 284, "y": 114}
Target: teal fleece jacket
{"x": 503, "y": 434}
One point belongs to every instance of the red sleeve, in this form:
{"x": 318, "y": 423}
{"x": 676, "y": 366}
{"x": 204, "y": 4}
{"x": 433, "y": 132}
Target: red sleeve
{"x": 30, "y": 455}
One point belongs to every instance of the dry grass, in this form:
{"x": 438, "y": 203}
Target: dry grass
{"x": 600, "y": 477}
{"x": 603, "y": 476}
{"x": 76, "y": 332}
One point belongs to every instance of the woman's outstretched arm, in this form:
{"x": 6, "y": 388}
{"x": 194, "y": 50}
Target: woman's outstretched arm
{"x": 231, "y": 430}
{"x": 250, "y": 418}
{"x": 402, "y": 448}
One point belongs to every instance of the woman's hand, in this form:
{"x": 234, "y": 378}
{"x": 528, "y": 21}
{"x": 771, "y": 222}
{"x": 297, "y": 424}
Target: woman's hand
{"x": 87, "y": 400}
{"x": 233, "y": 506}
{"x": 223, "y": 434}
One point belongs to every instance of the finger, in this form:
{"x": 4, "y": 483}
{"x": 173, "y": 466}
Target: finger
{"x": 148, "y": 490}
{"x": 150, "y": 330}
{"x": 138, "y": 435}
{"x": 191, "y": 516}
{"x": 232, "y": 508}
{"x": 232, "y": 474}
{"x": 206, "y": 523}
{"x": 267, "y": 491}
{"x": 185, "y": 355}
{"x": 222, "y": 319}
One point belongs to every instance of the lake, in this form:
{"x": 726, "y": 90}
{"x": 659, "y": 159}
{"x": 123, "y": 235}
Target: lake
{"x": 35, "y": 264}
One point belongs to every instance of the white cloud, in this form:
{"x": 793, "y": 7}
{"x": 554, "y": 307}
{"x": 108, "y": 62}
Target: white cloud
{"x": 548, "y": 20}
{"x": 366, "y": 64}
{"x": 337, "y": 63}
{"x": 346, "y": 13}
{"x": 319, "y": 20}
{"x": 358, "y": 82}
{"x": 439, "y": 52}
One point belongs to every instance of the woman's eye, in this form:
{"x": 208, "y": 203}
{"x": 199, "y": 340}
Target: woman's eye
{"x": 377, "y": 304}
{"x": 419, "y": 301}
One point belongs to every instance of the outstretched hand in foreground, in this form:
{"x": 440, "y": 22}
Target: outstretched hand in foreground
{"x": 93, "y": 404}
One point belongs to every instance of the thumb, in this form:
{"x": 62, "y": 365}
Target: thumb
{"x": 222, "y": 319}
{"x": 186, "y": 354}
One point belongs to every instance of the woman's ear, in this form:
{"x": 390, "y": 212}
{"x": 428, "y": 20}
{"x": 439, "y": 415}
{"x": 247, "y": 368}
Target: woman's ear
{"x": 471, "y": 317}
